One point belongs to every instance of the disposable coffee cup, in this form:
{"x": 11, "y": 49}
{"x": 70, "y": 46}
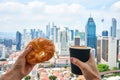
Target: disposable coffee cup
{"x": 80, "y": 52}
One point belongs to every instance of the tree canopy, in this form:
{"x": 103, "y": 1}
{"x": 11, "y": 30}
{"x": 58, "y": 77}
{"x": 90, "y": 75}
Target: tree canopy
{"x": 103, "y": 67}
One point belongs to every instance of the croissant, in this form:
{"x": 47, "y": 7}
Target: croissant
{"x": 42, "y": 50}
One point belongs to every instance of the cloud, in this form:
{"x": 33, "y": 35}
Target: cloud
{"x": 115, "y": 7}
{"x": 35, "y": 7}
{"x": 37, "y": 10}
{"x": 11, "y": 8}
{"x": 39, "y": 13}
{"x": 64, "y": 8}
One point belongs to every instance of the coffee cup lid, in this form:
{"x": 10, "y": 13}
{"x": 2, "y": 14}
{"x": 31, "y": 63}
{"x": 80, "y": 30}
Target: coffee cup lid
{"x": 80, "y": 47}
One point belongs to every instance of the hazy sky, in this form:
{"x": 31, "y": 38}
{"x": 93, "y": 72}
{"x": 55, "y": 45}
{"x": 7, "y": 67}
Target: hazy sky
{"x": 20, "y": 14}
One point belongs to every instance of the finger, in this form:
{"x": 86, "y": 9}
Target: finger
{"x": 77, "y": 62}
{"x": 92, "y": 56}
{"x": 91, "y": 59}
{"x": 26, "y": 51}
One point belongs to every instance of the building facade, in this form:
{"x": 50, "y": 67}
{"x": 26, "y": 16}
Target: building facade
{"x": 48, "y": 31}
{"x": 18, "y": 40}
{"x": 90, "y": 33}
{"x": 113, "y": 27}
{"x": 72, "y": 35}
{"x": 105, "y": 33}
{"x": 107, "y": 51}
{"x": 77, "y": 41}
{"x": 118, "y": 34}
{"x": 63, "y": 42}
{"x": 2, "y": 51}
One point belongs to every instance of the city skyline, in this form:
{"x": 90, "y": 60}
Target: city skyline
{"x": 28, "y": 14}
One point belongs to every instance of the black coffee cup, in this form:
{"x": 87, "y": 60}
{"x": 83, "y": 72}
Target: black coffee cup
{"x": 80, "y": 52}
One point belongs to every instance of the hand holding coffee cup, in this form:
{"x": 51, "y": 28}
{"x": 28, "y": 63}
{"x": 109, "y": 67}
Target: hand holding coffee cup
{"x": 80, "y": 52}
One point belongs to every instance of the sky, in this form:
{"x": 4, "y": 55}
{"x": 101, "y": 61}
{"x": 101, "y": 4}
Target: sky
{"x": 16, "y": 15}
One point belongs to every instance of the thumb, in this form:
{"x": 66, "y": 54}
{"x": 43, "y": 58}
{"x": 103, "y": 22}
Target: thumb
{"x": 77, "y": 62}
{"x": 27, "y": 50}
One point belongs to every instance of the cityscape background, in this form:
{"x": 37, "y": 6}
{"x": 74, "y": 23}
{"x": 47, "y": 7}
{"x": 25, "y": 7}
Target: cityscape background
{"x": 66, "y": 24}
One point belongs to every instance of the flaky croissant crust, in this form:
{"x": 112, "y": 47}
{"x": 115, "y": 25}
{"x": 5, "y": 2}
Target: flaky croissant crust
{"x": 42, "y": 50}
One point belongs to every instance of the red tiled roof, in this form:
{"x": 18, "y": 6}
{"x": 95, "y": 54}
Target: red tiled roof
{"x": 3, "y": 62}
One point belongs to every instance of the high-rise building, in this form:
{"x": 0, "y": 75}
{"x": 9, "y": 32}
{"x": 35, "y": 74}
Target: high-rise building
{"x": 26, "y": 38}
{"x": 54, "y": 33}
{"x": 57, "y": 32}
{"x": 118, "y": 34}
{"x": 76, "y": 32}
{"x": 72, "y": 35}
{"x": 90, "y": 33}
{"x": 63, "y": 43}
{"x": 113, "y": 27}
{"x": 32, "y": 33}
{"x": 77, "y": 41}
{"x": 107, "y": 51}
{"x": 48, "y": 31}
{"x": 2, "y": 51}
{"x": 67, "y": 33}
{"x": 8, "y": 43}
{"x": 118, "y": 37}
{"x": 82, "y": 37}
{"x": 18, "y": 40}
{"x": 81, "y": 34}
{"x": 38, "y": 33}
{"x": 105, "y": 33}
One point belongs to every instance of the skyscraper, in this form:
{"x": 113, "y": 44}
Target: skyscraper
{"x": 18, "y": 40}
{"x": 8, "y": 43}
{"x": 90, "y": 33}
{"x": 48, "y": 31}
{"x": 118, "y": 34}
{"x": 107, "y": 51}
{"x": 32, "y": 33}
{"x": 2, "y": 51}
{"x": 113, "y": 27}
{"x": 63, "y": 43}
{"x": 26, "y": 38}
{"x": 105, "y": 33}
{"x": 54, "y": 33}
{"x": 57, "y": 31}
{"x": 72, "y": 35}
{"x": 77, "y": 41}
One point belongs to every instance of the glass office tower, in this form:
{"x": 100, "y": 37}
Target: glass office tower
{"x": 105, "y": 33}
{"x": 18, "y": 40}
{"x": 113, "y": 27}
{"x": 90, "y": 33}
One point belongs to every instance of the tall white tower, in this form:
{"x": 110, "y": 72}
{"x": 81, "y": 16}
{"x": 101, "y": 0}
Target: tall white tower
{"x": 107, "y": 51}
{"x": 2, "y": 51}
{"x": 112, "y": 50}
{"x": 63, "y": 42}
{"x": 25, "y": 38}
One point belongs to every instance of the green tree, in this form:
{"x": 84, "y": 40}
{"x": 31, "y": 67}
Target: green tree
{"x": 115, "y": 68}
{"x": 27, "y": 77}
{"x": 65, "y": 66}
{"x": 52, "y": 77}
{"x": 102, "y": 67}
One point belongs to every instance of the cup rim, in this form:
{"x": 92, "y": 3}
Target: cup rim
{"x": 80, "y": 47}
